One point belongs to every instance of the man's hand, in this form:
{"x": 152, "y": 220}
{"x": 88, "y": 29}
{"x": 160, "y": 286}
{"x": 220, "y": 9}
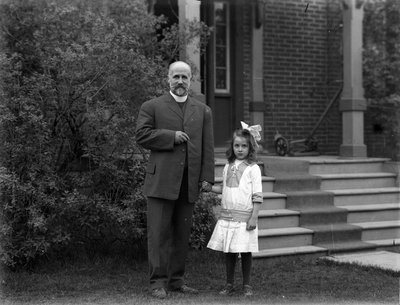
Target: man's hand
{"x": 205, "y": 187}
{"x": 181, "y": 137}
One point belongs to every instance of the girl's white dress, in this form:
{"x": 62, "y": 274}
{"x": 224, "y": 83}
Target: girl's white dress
{"x": 242, "y": 186}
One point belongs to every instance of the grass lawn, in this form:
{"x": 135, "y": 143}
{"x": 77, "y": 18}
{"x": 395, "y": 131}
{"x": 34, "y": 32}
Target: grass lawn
{"x": 287, "y": 280}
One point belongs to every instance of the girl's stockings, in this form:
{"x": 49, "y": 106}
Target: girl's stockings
{"x": 230, "y": 262}
{"x": 246, "y": 267}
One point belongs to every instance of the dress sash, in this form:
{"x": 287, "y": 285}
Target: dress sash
{"x": 235, "y": 215}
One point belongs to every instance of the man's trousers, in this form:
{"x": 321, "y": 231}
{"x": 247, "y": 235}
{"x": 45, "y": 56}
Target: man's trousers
{"x": 168, "y": 230}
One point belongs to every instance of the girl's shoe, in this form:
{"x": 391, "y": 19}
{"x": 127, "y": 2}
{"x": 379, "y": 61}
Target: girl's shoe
{"x": 247, "y": 290}
{"x": 227, "y": 290}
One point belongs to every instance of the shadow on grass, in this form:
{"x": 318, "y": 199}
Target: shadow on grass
{"x": 119, "y": 280}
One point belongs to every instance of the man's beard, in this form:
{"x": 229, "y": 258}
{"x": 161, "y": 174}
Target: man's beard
{"x": 180, "y": 91}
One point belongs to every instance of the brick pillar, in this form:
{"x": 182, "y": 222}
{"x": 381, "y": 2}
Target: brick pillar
{"x": 189, "y": 10}
{"x": 352, "y": 104}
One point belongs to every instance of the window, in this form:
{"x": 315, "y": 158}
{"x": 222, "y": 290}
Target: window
{"x": 221, "y": 50}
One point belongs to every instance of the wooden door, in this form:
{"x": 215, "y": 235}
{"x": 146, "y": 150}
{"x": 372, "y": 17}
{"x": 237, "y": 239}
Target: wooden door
{"x": 224, "y": 66}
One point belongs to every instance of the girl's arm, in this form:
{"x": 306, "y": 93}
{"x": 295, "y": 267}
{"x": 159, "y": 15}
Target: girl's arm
{"x": 257, "y": 197}
{"x": 252, "y": 222}
{"x": 217, "y": 189}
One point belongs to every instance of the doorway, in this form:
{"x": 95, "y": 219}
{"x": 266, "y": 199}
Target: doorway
{"x": 224, "y": 67}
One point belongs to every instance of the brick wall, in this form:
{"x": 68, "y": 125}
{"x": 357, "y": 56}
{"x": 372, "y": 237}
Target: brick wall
{"x": 302, "y": 61}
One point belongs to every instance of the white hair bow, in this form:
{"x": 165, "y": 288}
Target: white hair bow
{"x": 254, "y": 131}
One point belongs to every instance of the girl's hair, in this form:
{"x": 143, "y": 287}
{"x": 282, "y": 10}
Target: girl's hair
{"x": 244, "y": 133}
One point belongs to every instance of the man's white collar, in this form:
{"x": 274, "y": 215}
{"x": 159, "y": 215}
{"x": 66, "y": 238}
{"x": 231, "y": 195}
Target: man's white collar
{"x": 179, "y": 99}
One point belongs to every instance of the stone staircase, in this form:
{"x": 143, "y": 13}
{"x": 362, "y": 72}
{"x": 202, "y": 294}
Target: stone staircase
{"x": 369, "y": 194}
{"x": 322, "y": 205}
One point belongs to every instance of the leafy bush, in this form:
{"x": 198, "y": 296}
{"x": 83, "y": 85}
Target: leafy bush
{"x": 381, "y": 56}
{"x": 381, "y": 71}
{"x": 203, "y": 220}
{"x": 384, "y": 116}
{"x": 73, "y": 74}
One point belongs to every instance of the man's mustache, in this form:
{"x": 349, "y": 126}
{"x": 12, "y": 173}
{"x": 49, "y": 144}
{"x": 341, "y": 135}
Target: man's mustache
{"x": 180, "y": 86}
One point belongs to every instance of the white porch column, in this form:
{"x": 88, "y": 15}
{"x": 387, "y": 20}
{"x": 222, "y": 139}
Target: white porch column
{"x": 189, "y": 10}
{"x": 352, "y": 104}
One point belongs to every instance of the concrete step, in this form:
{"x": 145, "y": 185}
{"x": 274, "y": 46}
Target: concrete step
{"x": 219, "y": 166}
{"x": 322, "y": 215}
{"x": 378, "y": 230}
{"x": 273, "y": 201}
{"x": 281, "y": 218}
{"x": 346, "y": 197}
{"x": 300, "y": 200}
{"x": 373, "y": 212}
{"x": 291, "y": 182}
{"x": 284, "y": 237}
{"x": 267, "y": 183}
{"x": 346, "y": 246}
{"x": 336, "y": 165}
{"x": 386, "y": 242}
{"x": 315, "y": 207}
{"x": 334, "y": 233}
{"x": 357, "y": 181}
{"x": 289, "y": 251}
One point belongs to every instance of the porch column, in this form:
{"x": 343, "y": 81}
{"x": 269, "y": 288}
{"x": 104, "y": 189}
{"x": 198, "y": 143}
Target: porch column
{"x": 189, "y": 10}
{"x": 257, "y": 105}
{"x": 352, "y": 104}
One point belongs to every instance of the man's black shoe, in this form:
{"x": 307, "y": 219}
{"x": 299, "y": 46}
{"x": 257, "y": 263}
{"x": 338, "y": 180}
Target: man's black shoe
{"x": 186, "y": 289}
{"x": 159, "y": 293}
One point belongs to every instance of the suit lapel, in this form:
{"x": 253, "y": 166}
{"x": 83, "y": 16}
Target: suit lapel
{"x": 190, "y": 109}
{"x": 173, "y": 105}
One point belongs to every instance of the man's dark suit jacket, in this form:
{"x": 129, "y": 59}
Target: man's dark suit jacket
{"x": 157, "y": 122}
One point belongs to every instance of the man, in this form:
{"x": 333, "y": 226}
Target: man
{"x": 178, "y": 131}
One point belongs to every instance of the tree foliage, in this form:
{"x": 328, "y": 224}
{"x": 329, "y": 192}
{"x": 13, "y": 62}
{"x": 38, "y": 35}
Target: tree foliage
{"x": 73, "y": 74}
{"x": 381, "y": 75}
{"x": 381, "y": 48}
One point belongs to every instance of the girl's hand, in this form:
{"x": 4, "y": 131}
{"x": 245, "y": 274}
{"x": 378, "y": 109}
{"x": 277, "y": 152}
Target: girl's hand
{"x": 216, "y": 189}
{"x": 251, "y": 224}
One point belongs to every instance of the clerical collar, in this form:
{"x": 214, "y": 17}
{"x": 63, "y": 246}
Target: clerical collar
{"x": 179, "y": 99}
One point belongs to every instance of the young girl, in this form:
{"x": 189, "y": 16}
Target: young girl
{"x": 236, "y": 230}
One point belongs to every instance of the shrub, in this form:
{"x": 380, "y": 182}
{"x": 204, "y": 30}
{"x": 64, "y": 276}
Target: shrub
{"x": 381, "y": 75}
{"x": 203, "y": 220}
{"x": 72, "y": 76}
{"x": 383, "y": 115}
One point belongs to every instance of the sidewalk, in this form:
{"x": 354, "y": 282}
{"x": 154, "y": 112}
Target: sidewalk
{"x": 381, "y": 259}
